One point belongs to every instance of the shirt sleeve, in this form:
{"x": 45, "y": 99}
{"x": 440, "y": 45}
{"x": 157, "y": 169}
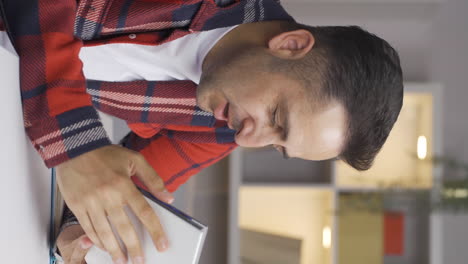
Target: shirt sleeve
{"x": 173, "y": 159}
{"x": 59, "y": 117}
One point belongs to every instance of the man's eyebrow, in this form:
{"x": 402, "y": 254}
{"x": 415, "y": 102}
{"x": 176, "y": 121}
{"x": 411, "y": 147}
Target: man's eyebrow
{"x": 285, "y": 133}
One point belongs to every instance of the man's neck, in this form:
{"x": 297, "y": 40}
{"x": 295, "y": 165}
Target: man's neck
{"x": 243, "y": 36}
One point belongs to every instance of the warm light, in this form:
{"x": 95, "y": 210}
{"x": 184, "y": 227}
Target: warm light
{"x": 456, "y": 193}
{"x": 326, "y": 237}
{"x": 461, "y": 193}
{"x": 422, "y": 147}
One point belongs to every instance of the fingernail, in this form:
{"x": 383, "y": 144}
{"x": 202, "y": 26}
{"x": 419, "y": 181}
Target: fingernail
{"x": 138, "y": 260}
{"x": 168, "y": 196}
{"x": 162, "y": 244}
{"x": 170, "y": 200}
{"x": 120, "y": 261}
{"x": 85, "y": 245}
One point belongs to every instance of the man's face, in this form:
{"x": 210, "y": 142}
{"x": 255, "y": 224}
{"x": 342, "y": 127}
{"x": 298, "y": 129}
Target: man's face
{"x": 272, "y": 109}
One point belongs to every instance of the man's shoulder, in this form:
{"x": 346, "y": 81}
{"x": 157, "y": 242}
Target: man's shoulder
{"x": 160, "y": 23}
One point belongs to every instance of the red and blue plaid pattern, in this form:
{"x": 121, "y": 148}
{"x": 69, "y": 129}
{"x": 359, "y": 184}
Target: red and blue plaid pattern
{"x": 175, "y": 156}
{"x": 59, "y": 105}
{"x": 154, "y": 102}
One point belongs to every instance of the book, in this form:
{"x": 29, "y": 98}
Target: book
{"x": 186, "y": 235}
{"x": 57, "y": 205}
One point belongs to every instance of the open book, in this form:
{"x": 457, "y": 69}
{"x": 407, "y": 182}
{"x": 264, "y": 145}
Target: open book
{"x": 186, "y": 235}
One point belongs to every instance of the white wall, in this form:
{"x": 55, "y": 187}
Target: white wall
{"x": 25, "y": 186}
{"x": 448, "y": 50}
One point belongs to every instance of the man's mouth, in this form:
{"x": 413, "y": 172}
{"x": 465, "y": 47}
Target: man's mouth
{"x": 222, "y": 111}
{"x": 226, "y": 112}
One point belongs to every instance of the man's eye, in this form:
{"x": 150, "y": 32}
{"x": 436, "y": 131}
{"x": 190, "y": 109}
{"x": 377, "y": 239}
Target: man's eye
{"x": 274, "y": 118}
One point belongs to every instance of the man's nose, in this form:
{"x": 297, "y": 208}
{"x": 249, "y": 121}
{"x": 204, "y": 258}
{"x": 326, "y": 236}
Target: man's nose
{"x": 254, "y": 134}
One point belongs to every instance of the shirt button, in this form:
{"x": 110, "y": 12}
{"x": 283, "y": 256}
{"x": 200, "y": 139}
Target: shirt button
{"x": 41, "y": 147}
{"x": 132, "y": 36}
{"x": 190, "y": 30}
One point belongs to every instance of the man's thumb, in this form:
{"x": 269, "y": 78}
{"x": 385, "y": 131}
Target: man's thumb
{"x": 152, "y": 181}
{"x": 85, "y": 242}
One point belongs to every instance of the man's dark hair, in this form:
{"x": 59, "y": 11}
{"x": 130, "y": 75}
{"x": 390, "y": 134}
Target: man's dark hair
{"x": 362, "y": 71}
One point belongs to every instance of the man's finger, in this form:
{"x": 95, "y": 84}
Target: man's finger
{"x": 149, "y": 219}
{"x": 87, "y": 226}
{"x": 106, "y": 235}
{"x": 79, "y": 253}
{"x": 122, "y": 223}
{"x": 151, "y": 179}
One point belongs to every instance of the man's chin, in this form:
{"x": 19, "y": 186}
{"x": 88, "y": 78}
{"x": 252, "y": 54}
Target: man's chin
{"x": 203, "y": 105}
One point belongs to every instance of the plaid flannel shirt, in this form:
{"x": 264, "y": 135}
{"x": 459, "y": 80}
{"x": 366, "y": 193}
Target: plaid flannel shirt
{"x": 59, "y": 106}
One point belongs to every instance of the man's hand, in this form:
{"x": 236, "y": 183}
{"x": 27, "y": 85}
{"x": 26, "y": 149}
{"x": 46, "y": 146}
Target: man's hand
{"x": 73, "y": 244}
{"x": 97, "y": 184}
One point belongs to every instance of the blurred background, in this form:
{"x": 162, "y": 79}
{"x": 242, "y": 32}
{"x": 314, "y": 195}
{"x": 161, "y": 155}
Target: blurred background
{"x": 410, "y": 208}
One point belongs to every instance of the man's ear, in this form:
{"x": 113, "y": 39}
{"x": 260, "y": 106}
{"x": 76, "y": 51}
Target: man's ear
{"x": 292, "y": 44}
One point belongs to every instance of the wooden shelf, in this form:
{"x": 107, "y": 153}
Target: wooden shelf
{"x": 318, "y": 186}
{"x": 351, "y": 189}
{"x": 280, "y": 170}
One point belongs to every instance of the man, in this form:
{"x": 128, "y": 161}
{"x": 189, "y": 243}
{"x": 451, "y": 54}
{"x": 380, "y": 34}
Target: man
{"x": 193, "y": 79}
